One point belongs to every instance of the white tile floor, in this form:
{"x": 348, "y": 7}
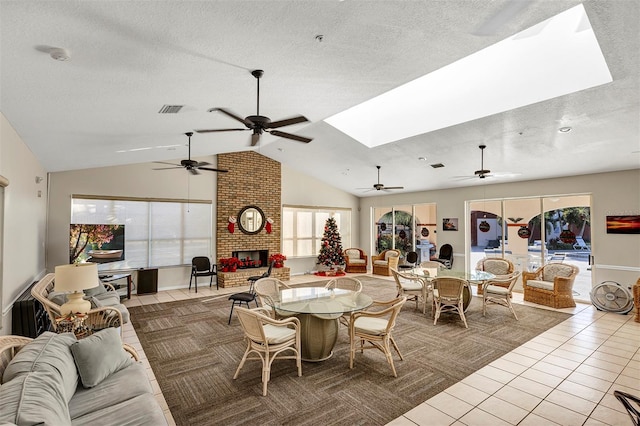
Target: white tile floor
{"x": 565, "y": 376}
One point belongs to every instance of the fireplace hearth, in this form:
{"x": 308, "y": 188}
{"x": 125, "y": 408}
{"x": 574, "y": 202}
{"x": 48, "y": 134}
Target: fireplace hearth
{"x": 252, "y": 258}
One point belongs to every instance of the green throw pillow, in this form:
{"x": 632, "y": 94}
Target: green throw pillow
{"x": 99, "y": 356}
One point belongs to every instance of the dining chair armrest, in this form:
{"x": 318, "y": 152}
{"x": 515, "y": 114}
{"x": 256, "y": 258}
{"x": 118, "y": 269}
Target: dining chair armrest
{"x": 280, "y": 322}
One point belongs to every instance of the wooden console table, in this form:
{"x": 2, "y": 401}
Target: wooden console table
{"x": 239, "y": 278}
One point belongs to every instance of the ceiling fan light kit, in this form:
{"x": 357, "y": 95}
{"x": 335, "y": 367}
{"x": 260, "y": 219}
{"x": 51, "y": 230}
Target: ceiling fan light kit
{"x": 259, "y": 124}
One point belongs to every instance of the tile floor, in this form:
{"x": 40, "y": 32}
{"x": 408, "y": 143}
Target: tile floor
{"x": 565, "y": 376}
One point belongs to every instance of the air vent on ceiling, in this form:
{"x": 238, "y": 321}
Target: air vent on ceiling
{"x": 437, "y": 165}
{"x": 170, "y": 109}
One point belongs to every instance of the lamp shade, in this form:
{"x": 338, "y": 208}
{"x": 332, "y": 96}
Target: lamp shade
{"x": 76, "y": 277}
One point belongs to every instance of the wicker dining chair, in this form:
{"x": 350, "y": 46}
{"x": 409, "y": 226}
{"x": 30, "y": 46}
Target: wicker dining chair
{"x": 413, "y": 287}
{"x": 497, "y": 266}
{"x": 345, "y": 283}
{"x": 375, "y": 327}
{"x": 496, "y": 292}
{"x": 267, "y": 338}
{"x": 447, "y": 297}
{"x": 268, "y": 291}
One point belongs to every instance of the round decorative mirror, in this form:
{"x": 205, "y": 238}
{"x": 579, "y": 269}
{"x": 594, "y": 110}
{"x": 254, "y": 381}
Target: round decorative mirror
{"x": 251, "y": 220}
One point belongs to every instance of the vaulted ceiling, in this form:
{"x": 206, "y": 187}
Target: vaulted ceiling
{"x": 127, "y": 59}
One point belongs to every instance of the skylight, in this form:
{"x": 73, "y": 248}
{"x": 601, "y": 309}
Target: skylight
{"x": 553, "y": 58}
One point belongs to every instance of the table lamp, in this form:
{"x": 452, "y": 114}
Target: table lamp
{"x": 74, "y": 279}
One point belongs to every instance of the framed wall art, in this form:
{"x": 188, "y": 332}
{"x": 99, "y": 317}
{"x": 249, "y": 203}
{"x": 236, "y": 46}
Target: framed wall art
{"x": 450, "y": 224}
{"x": 627, "y": 224}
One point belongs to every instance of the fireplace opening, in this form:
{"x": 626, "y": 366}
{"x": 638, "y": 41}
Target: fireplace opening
{"x": 252, "y": 258}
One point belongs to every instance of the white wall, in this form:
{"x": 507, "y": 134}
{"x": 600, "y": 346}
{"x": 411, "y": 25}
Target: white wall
{"x": 133, "y": 180}
{"x": 24, "y": 219}
{"x": 617, "y": 257}
{"x": 301, "y": 190}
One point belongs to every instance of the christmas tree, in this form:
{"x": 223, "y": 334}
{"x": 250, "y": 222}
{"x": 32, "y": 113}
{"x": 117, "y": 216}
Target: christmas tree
{"x": 331, "y": 246}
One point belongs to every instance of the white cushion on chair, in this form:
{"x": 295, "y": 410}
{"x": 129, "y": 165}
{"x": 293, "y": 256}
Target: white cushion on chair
{"x": 370, "y": 325}
{"x": 380, "y": 262}
{"x": 275, "y": 334}
{"x": 354, "y": 261}
{"x": 545, "y": 285}
{"x": 496, "y": 289}
{"x": 411, "y": 285}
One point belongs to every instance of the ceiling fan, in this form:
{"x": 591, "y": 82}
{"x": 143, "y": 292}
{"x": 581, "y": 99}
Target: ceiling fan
{"x": 482, "y": 173}
{"x": 191, "y": 165}
{"x": 259, "y": 123}
{"x": 378, "y": 186}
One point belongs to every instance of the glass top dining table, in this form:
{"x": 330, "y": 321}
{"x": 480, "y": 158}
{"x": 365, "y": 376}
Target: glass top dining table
{"x": 320, "y": 301}
{"x": 318, "y": 310}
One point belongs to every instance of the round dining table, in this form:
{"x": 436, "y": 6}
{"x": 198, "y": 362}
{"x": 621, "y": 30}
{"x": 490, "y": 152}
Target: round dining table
{"x": 471, "y": 277}
{"x": 318, "y": 310}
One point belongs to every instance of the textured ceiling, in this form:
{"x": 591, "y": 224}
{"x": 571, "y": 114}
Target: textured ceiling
{"x": 129, "y": 58}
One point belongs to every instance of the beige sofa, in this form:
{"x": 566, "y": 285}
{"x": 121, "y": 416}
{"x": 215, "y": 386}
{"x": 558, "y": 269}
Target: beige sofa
{"x": 58, "y": 380}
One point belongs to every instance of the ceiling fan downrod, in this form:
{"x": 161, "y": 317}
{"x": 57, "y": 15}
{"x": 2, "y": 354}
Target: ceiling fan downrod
{"x": 258, "y": 74}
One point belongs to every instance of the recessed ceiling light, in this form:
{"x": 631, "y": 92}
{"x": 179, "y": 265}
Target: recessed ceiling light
{"x": 422, "y": 158}
{"x": 59, "y": 54}
{"x": 564, "y": 129}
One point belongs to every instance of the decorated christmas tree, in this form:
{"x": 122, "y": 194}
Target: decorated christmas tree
{"x": 331, "y": 246}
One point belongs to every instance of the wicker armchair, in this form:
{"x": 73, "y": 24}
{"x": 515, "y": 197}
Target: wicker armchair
{"x": 384, "y": 262}
{"x": 356, "y": 260}
{"x": 551, "y": 285}
{"x": 96, "y": 319}
{"x": 498, "y": 267}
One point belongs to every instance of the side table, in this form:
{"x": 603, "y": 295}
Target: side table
{"x": 111, "y": 278}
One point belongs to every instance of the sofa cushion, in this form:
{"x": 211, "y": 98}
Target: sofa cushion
{"x": 352, "y": 253}
{"x": 58, "y": 297}
{"x": 546, "y": 285}
{"x": 95, "y": 291}
{"x": 109, "y": 298}
{"x": 99, "y": 355}
{"x": 389, "y": 254}
{"x": 49, "y": 352}
{"x": 120, "y": 386}
{"x": 553, "y": 270}
{"x": 34, "y": 398}
{"x": 142, "y": 410}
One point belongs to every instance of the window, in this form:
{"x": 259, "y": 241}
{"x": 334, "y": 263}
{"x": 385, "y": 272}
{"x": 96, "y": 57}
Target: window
{"x": 157, "y": 232}
{"x": 303, "y": 228}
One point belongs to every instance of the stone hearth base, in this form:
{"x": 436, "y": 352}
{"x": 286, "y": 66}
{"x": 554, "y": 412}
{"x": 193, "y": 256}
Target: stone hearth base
{"x": 239, "y": 278}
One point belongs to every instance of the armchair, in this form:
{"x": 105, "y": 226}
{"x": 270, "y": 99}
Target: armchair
{"x": 498, "y": 267}
{"x": 384, "y": 262}
{"x": 356, "y": 260}
{"x": 107, "y": 313}
{"x": 551, "y": 285}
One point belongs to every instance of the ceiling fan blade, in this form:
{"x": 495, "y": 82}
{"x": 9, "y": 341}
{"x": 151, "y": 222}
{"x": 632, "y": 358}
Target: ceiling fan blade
{"x": 202, "y": 163}
{"x": 286, "y": 122}
{"x": 290, "y": 136}
{"x": 168, "y": 168}
{"x": 213, "y": 170}
{"x": 255, "y": 138}
{"x": 194, "y": 171}
{"x": 236, "y": 117}
{"x": 393, "y": 187}
{"x": 164, "y": 162}
{"x": 217, "y": 130}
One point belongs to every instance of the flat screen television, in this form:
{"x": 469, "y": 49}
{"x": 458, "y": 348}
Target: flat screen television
{"x": 97, "y": 243}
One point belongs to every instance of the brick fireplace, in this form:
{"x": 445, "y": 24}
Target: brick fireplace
{"x": 259, "y": 257}
{"x": 253, "y": 180}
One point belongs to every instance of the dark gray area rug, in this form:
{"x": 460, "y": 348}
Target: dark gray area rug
{"x": 194, "y": 354}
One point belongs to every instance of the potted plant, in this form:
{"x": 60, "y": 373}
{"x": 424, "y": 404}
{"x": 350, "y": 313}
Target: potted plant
{"x": 279, "y": 259}
{"x": 229, "y": 264}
